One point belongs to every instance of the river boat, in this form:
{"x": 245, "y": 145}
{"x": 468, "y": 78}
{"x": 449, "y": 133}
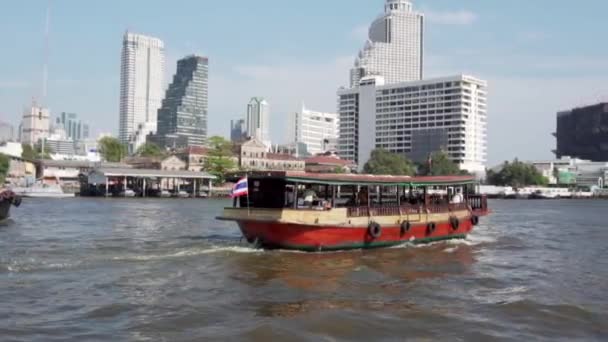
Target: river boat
{"x": 8, "y": 199}
{"x": 328, "y": 212}
{"x": 41, "y": 190}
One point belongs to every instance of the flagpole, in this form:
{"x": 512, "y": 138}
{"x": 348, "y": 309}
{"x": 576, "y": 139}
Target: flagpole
{"x": 248, "y": 209}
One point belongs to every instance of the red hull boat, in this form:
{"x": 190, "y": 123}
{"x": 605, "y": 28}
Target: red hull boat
{"x": 322, "y": 212}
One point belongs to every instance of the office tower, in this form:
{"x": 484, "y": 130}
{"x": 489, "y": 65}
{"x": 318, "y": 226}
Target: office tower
{"x": 415, "y": 119}
{"x": 317, "y": 130}
{"x": 583, "y": 133}
{"x": 238, "y": 130}
{"x": 6, "y": 132}
{"x": 394, "y": 49}
{"x": 35, "y": 125}
{"x": 258, "y": 120}
{"x": 74, "y": 128}
{"x": 141, "y": 82}
{"x": 182, "y": 119}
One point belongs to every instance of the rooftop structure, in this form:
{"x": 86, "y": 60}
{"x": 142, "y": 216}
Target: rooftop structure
{"x": 394, "y": 49}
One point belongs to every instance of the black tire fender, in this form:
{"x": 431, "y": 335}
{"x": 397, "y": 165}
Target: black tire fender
{"x": 374, "y": 230}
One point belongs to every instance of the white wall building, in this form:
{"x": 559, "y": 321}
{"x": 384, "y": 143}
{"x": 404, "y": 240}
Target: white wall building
{"x": 395, "y": 46}
{"x": 35, "y": 125}
{"x": 258, "y": 120}
{"x": 415, "y": 119}
{"x": 317, "y": 130}
{"x": 140, "y": 135}
{"x": 141, "y": 82}
{"x": 574, "y": 171}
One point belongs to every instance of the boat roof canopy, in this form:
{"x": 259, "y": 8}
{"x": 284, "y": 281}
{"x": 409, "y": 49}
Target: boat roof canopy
{"x": 357, "y": 179}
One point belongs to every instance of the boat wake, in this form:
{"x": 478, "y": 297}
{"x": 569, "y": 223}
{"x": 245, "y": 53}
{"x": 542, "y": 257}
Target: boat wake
{"x": 191, "y": 252}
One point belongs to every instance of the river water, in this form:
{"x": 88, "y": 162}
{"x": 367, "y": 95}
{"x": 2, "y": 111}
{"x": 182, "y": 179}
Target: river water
{"x": 166, "y": 270}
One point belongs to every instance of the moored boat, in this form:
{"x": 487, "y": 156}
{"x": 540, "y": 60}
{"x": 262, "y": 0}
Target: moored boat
{"x": 8, "y": 199}
{"x": 325, "y": 212}
{"x": 41, "y": 190}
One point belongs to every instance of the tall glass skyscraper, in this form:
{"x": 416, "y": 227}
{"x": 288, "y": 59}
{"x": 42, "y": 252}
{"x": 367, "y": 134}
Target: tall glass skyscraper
{"x": 394, "y": 49}
{"x": 258, "y": 120}
{"x": 141, "y": 82}
{"x": 182, "y": 119}
{"x": 74, "y": 128}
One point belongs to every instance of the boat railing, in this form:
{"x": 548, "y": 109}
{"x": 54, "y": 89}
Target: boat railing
{"x": 478, "y": 203}
{"x": 404, "y": 210}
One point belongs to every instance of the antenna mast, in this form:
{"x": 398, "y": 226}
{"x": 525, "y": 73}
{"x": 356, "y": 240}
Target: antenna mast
{"x": 45, "y": 71}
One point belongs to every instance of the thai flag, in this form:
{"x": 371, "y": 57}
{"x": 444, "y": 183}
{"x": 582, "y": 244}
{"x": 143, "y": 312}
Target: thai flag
{"x": 240, "y": 188}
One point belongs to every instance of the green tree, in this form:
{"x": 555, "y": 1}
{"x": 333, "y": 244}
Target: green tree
{"x": 33, "y": 152}
{"x": 150, "y": 150}
{"x": 111, "y": 149}
{"x": 339, "y": 170}
{"x": 516, "y": 174}
{"x": 219, "y": 160}
{"x": 440, "y": 165}
{"x": 383, "y": 162}
{"x": 5, "y": 164}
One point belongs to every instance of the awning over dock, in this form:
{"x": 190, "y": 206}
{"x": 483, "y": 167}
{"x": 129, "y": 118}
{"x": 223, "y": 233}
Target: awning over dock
{"x": 150, "y": 182}
{"x": 147, "y": 173}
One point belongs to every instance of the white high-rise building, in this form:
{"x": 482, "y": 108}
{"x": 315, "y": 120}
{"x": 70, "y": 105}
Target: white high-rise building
{"x": 317, "y": 130}
{"x": 395, "y": 46}
{"x": 141, "y": 83}
{"x": 35, "y": 125}
{"x": 258, "y": 120}
{"x": 415, "y": 119}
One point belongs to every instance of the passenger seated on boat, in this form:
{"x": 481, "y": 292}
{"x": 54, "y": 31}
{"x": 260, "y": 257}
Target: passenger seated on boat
{"x": 289, "y": 197}
{"x": 362, "y": 197}
{"x": 309, "y": 196}
{"x": 457, "y": 199}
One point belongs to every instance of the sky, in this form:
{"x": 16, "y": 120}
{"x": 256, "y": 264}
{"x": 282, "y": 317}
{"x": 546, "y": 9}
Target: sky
{"x": 539, "y": 57}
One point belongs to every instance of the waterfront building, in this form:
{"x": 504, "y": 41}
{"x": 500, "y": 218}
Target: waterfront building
{"x": 19, "y": 168}
{"x": 254, "y": 156}
{"x": 329, "y": 163}
{"x": 415, "y": 119}
{"x": 568, "y": 171}
{"x": 238, "y": 130}
{"x": 7, "y": 132}
{"x": 583, "y": 133}
{"x": 182, "y": 119}
{"x": 35, "y": 125}
{"x": 258, "y": 120}
{"x": 141, "y": 82}
{"x": 194, "y": 156}
{"x": 61, "y": 146}
{"x": 394, "y": 49}
{"x": 317, "y": 130}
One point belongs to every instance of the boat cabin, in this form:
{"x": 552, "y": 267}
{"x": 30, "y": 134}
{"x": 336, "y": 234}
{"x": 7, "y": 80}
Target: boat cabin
{"x": 361, "y": 195}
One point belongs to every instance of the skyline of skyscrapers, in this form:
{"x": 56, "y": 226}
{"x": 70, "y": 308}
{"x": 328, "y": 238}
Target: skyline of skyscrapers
{"x": 394, "y": 48}
{"x": 182, "y": 119}
{"x": 141, "y": 84}
{"x": 74, "y": 128}
{"x": 258, "y": 120}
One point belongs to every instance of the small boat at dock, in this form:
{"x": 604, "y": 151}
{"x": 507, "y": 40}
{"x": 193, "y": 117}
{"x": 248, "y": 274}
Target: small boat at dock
{"x": 42, "y": 190}
{"x": 8, "y": 199}
{"x": 328, "y": 212}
